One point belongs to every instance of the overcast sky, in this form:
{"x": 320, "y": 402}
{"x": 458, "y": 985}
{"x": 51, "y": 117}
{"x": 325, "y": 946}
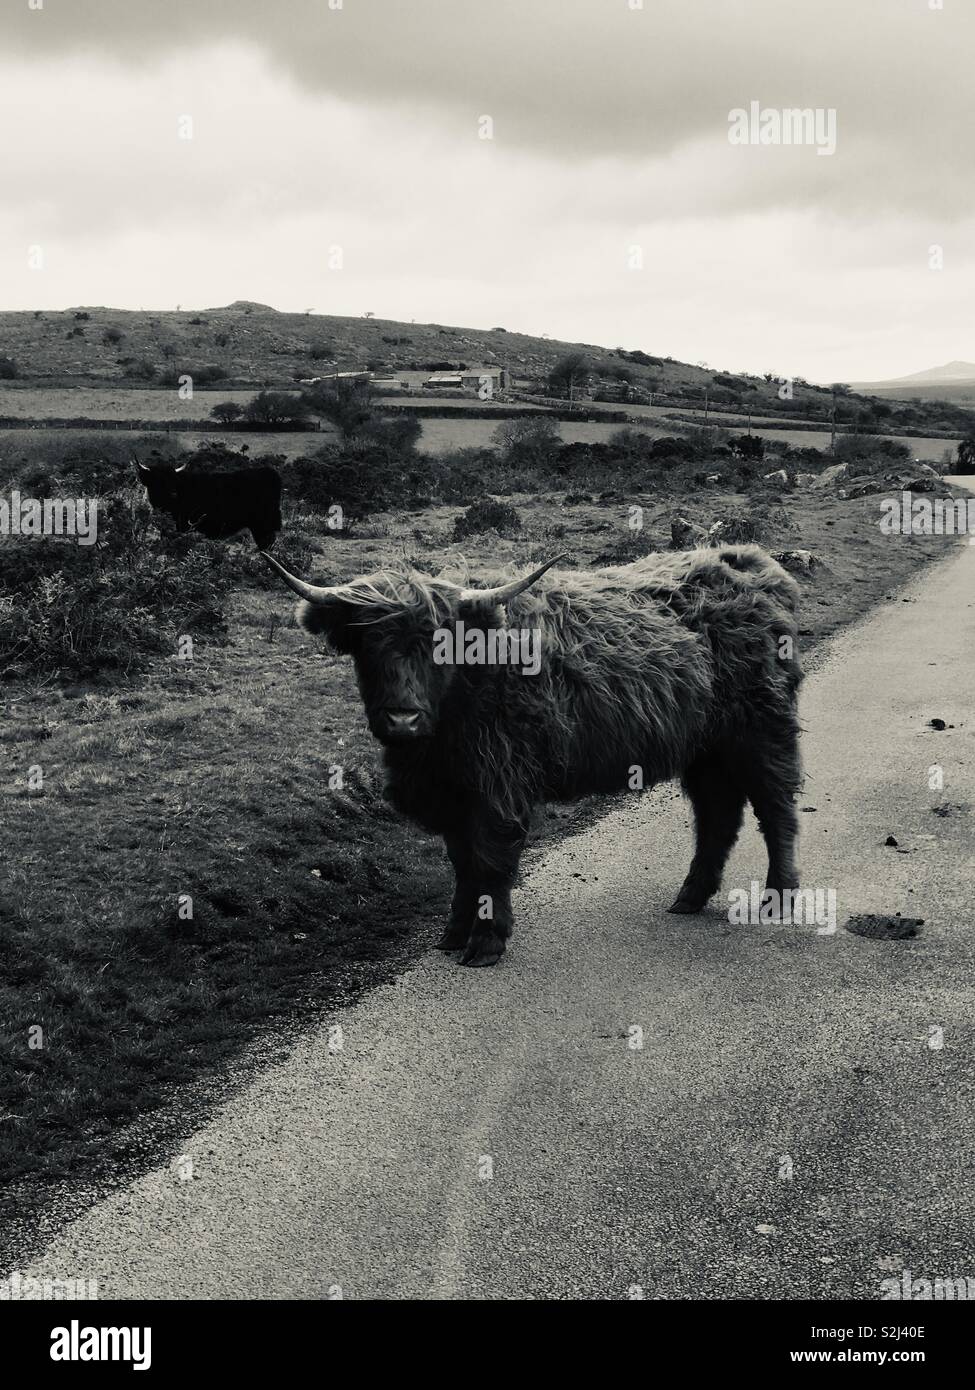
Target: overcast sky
{"x": 360, "y": 127}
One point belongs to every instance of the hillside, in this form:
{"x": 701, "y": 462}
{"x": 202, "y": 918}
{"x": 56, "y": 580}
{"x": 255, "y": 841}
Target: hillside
{"x": 248, "y": 344}
{"x": 255, "y": 343}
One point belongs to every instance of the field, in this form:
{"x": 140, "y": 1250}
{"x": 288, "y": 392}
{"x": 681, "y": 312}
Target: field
{"x": 439, "y": 435}
{"x": 107, "y": 403}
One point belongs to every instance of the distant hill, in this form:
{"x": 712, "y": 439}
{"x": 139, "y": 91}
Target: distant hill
{"x": 250, "y": 343}
{"x": 247, "y": 344}
{"x": 247, "y": 305}
{"x": 954, "y": 381}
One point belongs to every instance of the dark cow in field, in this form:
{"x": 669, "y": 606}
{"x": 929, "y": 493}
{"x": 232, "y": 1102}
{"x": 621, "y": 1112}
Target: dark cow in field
{"x": 679, "y": 665}
{"x": 218, "y": 505}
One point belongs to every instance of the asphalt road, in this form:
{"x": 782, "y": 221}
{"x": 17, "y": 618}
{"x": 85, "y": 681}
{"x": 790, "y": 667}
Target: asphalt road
{"x": 634, "y": 1101}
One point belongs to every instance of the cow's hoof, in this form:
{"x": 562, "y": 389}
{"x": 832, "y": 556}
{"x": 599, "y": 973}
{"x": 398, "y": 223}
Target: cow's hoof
{"x": 776, "y": 905}
{"x": 687, "y": 906}
{"x": 454, "y": 939}
{"x": 484, "y": 950}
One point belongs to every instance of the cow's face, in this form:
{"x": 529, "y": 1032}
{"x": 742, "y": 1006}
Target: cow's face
{"x": 401, "y": 683}
{"x": 392, "y": 626}
{"x": 162, "y": 485}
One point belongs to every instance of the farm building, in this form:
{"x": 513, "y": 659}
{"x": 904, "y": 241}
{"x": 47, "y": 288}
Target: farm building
{"x": 470, "y": 379}
{"x": 446, "y": 380}
{"x": 335, "y": 376}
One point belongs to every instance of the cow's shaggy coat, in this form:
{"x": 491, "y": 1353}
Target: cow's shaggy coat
{"x": 679, "y": 665}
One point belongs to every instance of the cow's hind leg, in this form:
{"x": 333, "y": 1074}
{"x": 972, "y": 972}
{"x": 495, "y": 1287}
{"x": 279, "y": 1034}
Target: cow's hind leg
{"x": 773, "y": 778}
{"x": 719, "y": 802}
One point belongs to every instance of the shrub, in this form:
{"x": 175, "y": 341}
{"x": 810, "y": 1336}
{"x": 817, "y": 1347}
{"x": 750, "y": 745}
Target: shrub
{"x": 864, "y": 451}
{"x": 274, "y": 409}
{"x": 348, "y": 405}
{"x": 88, "y": 462}
{"x": 748, "y": 446}
{"x": 8, "y": 369}
{"x": 360, "y": 477}
{"x": 207, "y": 374}
{"x": 216, "y": 457}
{"x": 487, "y": 515}
{"x": 113, "y": 336}
{"x": 569, "y": 374}
{"x": 762, "y": 522}
{"x": 529, "y": 440}
{"x": 733, "y": 383}
{"x": 642, "y": 359}
{"x": 138, "y": 369}
{"x": 67, "y": 609}
{"x": 670, "y": 447}
{"x": 202, "y": 376}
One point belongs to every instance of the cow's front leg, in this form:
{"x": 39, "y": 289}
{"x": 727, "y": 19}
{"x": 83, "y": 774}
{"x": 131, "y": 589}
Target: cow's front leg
{"x": 464, "y": 901}
{"x": 495, "y": 870}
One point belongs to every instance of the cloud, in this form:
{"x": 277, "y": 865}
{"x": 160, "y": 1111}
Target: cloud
{"x": 581, "y": 78}
{"x": 359, "y": 127}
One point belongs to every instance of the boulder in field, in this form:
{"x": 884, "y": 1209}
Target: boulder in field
{"x": 830, "y": 475}
{"x": 920, "y": 482}
{"x": 862, "y": 487}
{"x": 798, "y": 561}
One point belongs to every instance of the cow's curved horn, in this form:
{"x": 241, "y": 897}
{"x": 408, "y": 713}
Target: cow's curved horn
{"x": 504, "y": 593}
{"x": 182, "y": 467}
{"x": 313, "y": 593}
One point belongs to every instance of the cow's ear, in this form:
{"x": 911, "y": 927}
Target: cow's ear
{"x": 333, "y": 620}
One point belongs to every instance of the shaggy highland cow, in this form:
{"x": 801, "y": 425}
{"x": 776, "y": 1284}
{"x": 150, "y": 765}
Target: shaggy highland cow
{"x": 679, "y": 665}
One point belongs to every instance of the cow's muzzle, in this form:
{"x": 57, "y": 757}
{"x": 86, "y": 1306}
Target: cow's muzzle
{"x": 400, "y": 725}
